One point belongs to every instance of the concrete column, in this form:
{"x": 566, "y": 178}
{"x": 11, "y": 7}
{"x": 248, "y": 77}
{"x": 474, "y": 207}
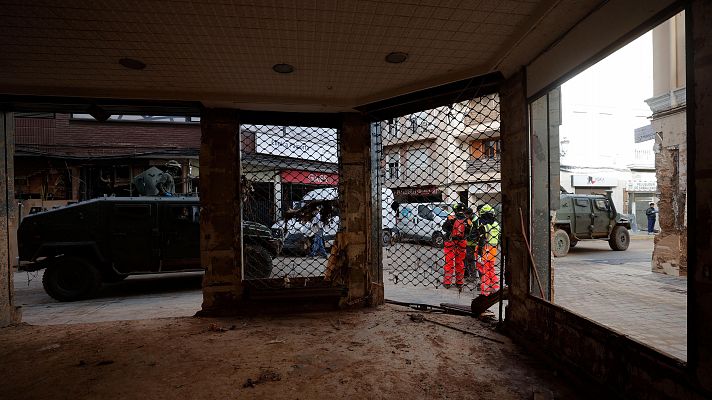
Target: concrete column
{"x": 364, "y": 278}
{"x": 699, "y": 123}
{"x": 515, "y": 191}
{"x": 8, "y": 220}
{"x": 220, "y": 211}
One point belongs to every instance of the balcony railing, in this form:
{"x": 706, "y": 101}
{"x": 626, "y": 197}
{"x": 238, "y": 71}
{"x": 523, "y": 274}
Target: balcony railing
{"x": 483, "y": 165}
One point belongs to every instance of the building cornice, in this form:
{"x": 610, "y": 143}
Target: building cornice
{"x": 674, "y": 99}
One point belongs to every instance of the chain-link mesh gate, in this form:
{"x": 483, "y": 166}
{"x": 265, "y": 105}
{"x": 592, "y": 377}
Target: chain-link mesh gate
{"x": 290, "y": 203}
{"x": 440, "y": 173}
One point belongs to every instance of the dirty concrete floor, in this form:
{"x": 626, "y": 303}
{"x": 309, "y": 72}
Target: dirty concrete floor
{"x": 364, "y": 354}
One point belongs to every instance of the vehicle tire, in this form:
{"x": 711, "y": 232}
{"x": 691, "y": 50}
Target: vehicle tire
{"x": 306, "y": 246}
{"x": 438, "y": 240}
{"x": 573, "y": 243}
{"x": 620, "y": 238}
{"x": 560, "y": 243}
{"x": 258, "y": 262}
{"x": 387, "y": 238}
{"x": 71, "y": 279}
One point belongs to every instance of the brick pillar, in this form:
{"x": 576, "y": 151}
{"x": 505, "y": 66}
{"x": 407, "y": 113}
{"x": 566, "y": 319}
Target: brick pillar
{"x": 515, "y": 191}
{"x": 355, "y": 207}
{"x": 699, "y": 123}
{"x": 220, "y": 214}
{"x": 8, "y": 221}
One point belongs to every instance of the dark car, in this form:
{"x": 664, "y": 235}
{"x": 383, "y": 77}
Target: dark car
{"x": 108, "y": 239}
{"x": 588, "y": 216}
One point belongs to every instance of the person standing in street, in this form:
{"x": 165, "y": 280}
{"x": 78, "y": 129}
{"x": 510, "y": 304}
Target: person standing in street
{"x": 317, "y": 230}
{"x": 488, "y": 231}
{"x": 456, "y": 228}
{"x": 650, "y": 213}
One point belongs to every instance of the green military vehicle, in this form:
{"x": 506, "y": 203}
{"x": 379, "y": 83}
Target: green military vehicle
{"x": 107, "y": 239}
{"x": 588, "y": 216}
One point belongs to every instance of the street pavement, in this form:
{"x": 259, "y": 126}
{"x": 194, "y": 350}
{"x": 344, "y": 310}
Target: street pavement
{"x": 618, "y": 290}
{"x": 615, "y": 289}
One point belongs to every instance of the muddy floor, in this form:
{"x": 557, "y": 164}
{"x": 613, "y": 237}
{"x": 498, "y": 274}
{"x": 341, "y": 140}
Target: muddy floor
{"x": 367, "y": 354}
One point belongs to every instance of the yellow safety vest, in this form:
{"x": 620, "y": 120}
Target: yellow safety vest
{"x": 492, "y": 233}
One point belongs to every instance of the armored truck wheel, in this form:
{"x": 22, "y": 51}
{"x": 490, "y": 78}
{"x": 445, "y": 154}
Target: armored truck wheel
{"x": 258, "y": 262}
{"x": 306, "y": 246}
{"x": 560, "y": 243}
{"x": 70, "y": 279}
{"x": 620, "y": 238}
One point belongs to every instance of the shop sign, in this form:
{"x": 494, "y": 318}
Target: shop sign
{"x": 315, "y": 149}
{"x": 644, "y": 134}
{"x": 417, "y": 191}
{"x": 309, "y": 177}
{"x": 642, "y": 186}
{"x": 593, "y": 181}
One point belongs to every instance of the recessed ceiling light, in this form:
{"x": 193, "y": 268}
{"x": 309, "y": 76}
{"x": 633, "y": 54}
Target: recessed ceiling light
{"x": 131, "y": 63}
{"x": 396, "y": 57}
{"x": 283, "y": 68}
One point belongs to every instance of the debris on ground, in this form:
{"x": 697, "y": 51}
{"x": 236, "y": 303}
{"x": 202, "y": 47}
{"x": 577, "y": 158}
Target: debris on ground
{"x": 486, "y": 316}
{"x": 153, "y": 357}
{"x": 49, "y": 347}
{"x": 216, "y": 328}
{"x": 266, "y": 375}
{"x": 482, "y": 303}
{"x": 416, "y": 317}
{"x": 421, "y": 318}
{"x": 275, "y": 341}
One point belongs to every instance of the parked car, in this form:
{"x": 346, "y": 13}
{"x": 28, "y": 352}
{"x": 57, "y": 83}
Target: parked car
{"x": 588, "y": 216}
{"x": 422, "y": 221}
{"x": 107, "y": 239}
{"x": 296, "y": 234}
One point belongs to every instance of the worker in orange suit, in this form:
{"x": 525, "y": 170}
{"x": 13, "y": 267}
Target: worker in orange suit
{"x": 488, "y": 231}
{"x": 456, "y": 228}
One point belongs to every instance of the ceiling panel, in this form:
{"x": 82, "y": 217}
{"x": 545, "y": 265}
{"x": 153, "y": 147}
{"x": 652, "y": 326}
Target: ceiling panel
{"x": 222, "y": 52}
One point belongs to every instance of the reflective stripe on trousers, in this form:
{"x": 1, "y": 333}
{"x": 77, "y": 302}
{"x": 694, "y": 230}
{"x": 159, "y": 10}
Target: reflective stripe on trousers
{"x": 455, "y": 259}
{"x": 490, "y": 280}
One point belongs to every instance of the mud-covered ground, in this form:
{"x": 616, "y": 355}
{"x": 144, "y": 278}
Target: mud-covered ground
{"x": 366, "y": 354}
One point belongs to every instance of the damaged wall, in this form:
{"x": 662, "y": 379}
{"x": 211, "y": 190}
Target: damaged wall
{"x": 8, "y": 312}
{"x": 670, "y": 252}
{"x": 669, "y": 124}
{"x": 699, "y": 123}
{"x": 353, "y": 265}
{"x": 579, "y": 345}
{"x": 220, "y": 211}
{"x": 356, "y": 208}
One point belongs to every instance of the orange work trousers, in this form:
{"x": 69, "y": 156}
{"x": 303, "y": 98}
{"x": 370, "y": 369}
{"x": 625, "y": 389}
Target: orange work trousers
{"x": 455, "y": 260}
{"x": 485, "y": 264}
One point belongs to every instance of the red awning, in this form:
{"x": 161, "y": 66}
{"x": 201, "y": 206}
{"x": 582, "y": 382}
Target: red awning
{"x": 309, "y": 177}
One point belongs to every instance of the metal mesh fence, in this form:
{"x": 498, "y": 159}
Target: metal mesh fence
{"x": 440, "y": 178}
{"x": 290, "y": 205}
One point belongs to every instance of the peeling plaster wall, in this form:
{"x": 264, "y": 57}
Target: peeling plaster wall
{"x": 355, "y": 205}
{"x": 670, "y": 253}
{"x": 220, "y": 212}
{"x": 580, "y": 346}
{"x": 8, "y": 312}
